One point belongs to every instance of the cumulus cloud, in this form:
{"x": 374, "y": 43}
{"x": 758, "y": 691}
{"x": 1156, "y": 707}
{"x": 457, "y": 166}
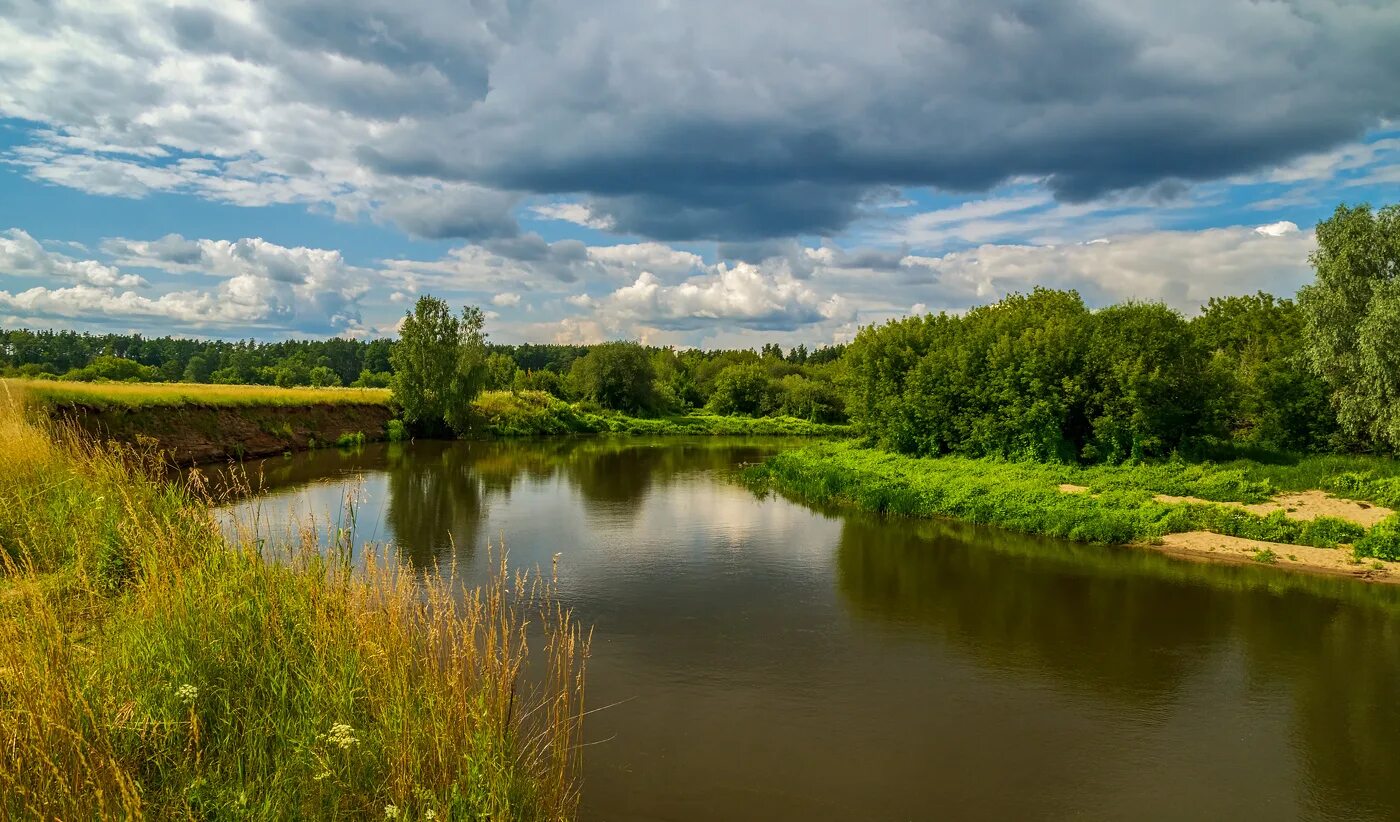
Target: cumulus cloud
{"x": 1182, "y": 268}
{"x": 742, "y": 295}
{"x": 729, "y": 120}
{"x": 258, "y": 284}
{"x": 22, "y": 255}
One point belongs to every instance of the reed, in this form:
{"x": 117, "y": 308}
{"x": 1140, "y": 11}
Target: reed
{"x": 152, "y": 668}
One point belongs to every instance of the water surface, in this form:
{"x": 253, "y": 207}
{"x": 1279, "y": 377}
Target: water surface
{"x": 767, "y": 661}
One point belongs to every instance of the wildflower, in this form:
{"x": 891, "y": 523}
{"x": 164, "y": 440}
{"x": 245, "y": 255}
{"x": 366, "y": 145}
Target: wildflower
{"x": 186, "y": 693}
{"x": 342, "y": 735}
{"x": 391, "y": 811}
{"x": 430, "y": 814}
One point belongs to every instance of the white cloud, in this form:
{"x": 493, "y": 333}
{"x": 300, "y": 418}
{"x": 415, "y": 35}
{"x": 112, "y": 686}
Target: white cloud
{"x": 741, "y": 295}
{"x": 634, "y": 258}
{"x": 576, "y": 213}
{"x": 1277, "y": 229}
{"x": 259, "y": 284}
{"x": 1181, "y": 268}
{"x": 22, "y": 255}
{"x": 506, "y": 299}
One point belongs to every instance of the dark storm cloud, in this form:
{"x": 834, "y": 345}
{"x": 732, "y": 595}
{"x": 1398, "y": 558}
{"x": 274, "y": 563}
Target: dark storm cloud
{"x": 737, "y": 120}
{"x": 473, "y": 213}
{"x": 783, "y": 121}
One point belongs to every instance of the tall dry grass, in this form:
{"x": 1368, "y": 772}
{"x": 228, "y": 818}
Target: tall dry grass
{"x": 149, "y": 668}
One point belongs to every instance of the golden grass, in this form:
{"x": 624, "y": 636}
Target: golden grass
{"x": 151, "y": 669}
{"x": 136, "y": 395}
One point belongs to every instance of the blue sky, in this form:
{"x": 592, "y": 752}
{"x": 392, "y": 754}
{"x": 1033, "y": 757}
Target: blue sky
{"x": 693, "y": 174}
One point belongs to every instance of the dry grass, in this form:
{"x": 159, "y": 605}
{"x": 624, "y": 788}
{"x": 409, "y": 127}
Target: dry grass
{"x": 138, "y": 395}
{"x": 148, "y": 668}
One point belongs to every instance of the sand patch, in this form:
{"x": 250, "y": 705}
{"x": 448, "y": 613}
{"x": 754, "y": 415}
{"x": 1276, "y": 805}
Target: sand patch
{"x": 1307, "y": 505}
{"x": 1071, "y": 488}
{"x": 1210, "y": 546}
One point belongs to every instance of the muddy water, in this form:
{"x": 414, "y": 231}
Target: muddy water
{"x": 767, "y": 661}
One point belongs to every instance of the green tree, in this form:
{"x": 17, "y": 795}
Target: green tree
{"x": 1146, "y": 392}
{"x": 115, "y": 369}
{"x": 1352, "y": 320}
{"x": 1263, "y": 390}
{"x": 439, "y": 366}
{"x": 322, "y": 376}
{"x": 742, "y": 389}
{"x": 500, "y": 372}
{"x": 810, "y": 399}
{"x": 470, "y": 376}
{"x": 198, "y": 369}
{"x": 616, "y": 375}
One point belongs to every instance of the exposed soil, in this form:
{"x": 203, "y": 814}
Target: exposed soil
{"x": 1306, "y": 505}
{"x": 194, "y": 434}
{"x": 1071, "y": 488}
{"x": 1205, "y": 545}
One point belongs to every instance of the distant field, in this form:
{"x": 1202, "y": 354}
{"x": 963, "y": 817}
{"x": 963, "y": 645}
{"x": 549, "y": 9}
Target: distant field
{"x": 143, "y": 395}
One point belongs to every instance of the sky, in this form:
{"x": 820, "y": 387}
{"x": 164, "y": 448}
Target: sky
{"x": 711, "y": 174}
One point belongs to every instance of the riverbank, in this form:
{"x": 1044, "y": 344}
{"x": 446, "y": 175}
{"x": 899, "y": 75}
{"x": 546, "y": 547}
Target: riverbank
{"x": 196, "y": 423}
{"x": 538, "y": 414}
{"x": 149, "y": 668}
{"x": 1175, "y": 507}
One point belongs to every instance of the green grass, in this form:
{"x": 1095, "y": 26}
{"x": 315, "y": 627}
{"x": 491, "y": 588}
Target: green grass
{"x": 144, "y": 395}
{"x": 536, "y": 413}
{"x": 150, "y": 668}
{"x": 1025, "y": 496}
{"x": 1367, "y": 478}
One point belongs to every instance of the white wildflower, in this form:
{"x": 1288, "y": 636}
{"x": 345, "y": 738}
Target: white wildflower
{"x": 342, "y": 735}
{"x": 391, "y": 811}
{"x": 430, "y": 814}
{"x": 186, "y": 693}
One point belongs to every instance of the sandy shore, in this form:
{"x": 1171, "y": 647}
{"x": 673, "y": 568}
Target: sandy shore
{"x": 1204, "y": 545}
{"x": 1307, "y": 505}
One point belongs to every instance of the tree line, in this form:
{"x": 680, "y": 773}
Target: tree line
{"x": 451, "y": 358}
{"x": 1042, "y": 376}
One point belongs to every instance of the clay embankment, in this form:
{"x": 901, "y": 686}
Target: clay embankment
{"x": 204, "y": 433}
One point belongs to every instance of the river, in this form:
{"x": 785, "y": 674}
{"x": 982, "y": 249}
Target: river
{"x": 767, "y": 661}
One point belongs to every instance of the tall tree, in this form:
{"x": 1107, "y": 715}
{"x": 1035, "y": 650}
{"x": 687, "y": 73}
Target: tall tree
{"x": 1352, "y": 319}
{"x": 426, "y": 364}
{"x": 470, "y": 375}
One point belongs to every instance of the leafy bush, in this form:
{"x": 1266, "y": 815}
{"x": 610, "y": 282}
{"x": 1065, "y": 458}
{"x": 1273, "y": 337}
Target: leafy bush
{"x": 1382, "y": 541}
{"x": 742, "y": 389}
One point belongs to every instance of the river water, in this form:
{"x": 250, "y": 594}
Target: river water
{"x": 767, "y": 661}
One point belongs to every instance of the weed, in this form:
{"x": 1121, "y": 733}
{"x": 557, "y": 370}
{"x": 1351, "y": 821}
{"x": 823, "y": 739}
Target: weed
{"x": 149, "y": 667}
{"x": 1265, "y": 556}
{"x": 349, "y": 440}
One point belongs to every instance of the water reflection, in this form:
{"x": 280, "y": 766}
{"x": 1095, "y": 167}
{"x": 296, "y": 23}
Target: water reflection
{"x": 1137, "y": 626}
{"x": 768, "y": 661}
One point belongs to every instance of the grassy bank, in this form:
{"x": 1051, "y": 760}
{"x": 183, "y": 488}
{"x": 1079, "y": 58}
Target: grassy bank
{"x": 1119, "y": 504}
{"x": 146, "y": 395}
{"x": 536, "y": 413}
{"x": 148, "y": 668}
